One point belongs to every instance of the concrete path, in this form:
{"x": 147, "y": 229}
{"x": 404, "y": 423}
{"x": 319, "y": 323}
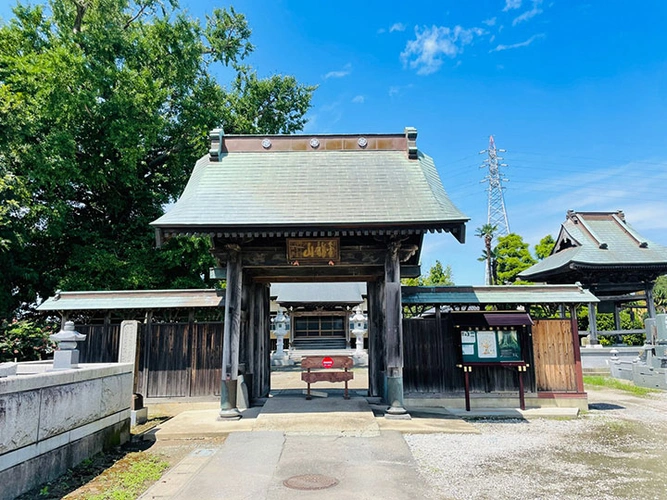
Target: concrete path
{"x": 255, "y": 465}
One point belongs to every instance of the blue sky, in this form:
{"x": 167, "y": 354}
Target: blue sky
{"x": 576, "y": 92}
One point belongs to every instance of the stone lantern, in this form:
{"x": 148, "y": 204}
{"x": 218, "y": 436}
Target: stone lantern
{"x": 359, "y": 330}
{"x": 280, "y": 331}
{"x": 67, "y": 355}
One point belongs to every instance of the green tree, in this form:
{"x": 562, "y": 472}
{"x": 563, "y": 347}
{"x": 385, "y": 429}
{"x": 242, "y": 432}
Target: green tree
{"x": 487, "y": 232}
{"x": 544, "y": 247}
{"x": 513, "y": 256}
{"x": 437, "y": 275}
{"x": 660, "y": 294}
{"x": 105, "y": 106}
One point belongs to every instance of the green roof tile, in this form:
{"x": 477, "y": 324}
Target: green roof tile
{"x": 597, "y": 239}
{"x": 312, "y": 188}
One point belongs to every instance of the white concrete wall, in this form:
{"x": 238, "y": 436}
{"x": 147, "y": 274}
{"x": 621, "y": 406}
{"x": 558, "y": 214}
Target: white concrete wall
{"x": 42, "y": 411}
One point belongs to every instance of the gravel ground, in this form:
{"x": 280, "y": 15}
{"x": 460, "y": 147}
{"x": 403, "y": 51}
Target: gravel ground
{"x": 616, "y": 450}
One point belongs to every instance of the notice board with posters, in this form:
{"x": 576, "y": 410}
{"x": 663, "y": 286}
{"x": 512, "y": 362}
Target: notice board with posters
{"x": 490, "y": 346}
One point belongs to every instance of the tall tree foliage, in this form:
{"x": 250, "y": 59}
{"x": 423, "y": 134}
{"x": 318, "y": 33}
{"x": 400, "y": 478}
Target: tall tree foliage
{"x": 437, "y": 275}
{"x": 544, "y": 247}
{"x": 105, "y": 106}
{"x": 487, "y": 232}
{"x": 512, "y": 257}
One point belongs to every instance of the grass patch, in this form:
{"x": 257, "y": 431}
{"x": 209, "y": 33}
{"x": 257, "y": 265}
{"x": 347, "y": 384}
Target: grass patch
{"x": 127, "y": 479}
{"x": 614, "y": 383}
{"x": 118, "y": 474}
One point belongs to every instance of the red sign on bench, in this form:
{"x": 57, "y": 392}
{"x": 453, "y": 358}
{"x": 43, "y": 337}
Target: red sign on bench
{"x": 327, "y": 362}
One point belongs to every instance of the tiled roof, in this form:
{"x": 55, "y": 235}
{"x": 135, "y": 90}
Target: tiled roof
{"x": 597, "y": 240}
{"x": 333, "y": 293}
{"x": 133, "y": 299}
{"x": 505, "y": 294}
{"x": 319, "y": 189}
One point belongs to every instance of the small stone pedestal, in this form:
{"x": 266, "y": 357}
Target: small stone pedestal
{"x": 138, "y": 412}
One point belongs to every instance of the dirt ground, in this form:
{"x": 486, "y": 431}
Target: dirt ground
{"x": 616, "y": 450}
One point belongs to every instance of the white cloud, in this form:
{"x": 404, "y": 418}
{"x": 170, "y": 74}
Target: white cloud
{"x": 525, "y": 43}
{"x": 529, "y": 14}
{"x": 359, "y": 99}
{"x": 381, "y": 30}
{"x": 395, "y": 90}
{"x": 397, "y": 27}
{"x": 633, "y": 188}
{"x": 425, "y": 52}
{"x": 511, "y": 5}
{"x": 490, "y": 22}
{"x": 347, "y": 69}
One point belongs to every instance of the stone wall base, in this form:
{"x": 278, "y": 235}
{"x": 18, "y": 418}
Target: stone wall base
{"x": 48, "y": 466}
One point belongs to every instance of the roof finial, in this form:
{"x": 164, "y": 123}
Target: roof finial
{"x": 411, "y": 136}
{"x": 216, "y": 135}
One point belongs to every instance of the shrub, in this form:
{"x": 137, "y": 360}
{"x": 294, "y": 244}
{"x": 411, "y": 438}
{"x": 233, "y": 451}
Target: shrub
{"x": 606, "y": 340}
{"x": 634, "y": 339}
{"x": 25, "y": 340}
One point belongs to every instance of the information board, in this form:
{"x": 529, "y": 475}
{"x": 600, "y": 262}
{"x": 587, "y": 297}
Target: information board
{"x": 490, "y": 346}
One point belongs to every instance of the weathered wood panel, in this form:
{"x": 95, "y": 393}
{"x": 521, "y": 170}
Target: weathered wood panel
{"x": 206, "y": 359}
{"x": 430, "y": 357}
{"x": 101, "y": 344}
{"x": 168, "y": 360}
{"x": 432, "y": 351}
{"x": 554, "y": 356}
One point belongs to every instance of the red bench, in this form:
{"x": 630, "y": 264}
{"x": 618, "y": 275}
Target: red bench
{"x": 326, "y": 366}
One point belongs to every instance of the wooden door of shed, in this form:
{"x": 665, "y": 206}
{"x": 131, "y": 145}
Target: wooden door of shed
{"x": 555, "y": 367}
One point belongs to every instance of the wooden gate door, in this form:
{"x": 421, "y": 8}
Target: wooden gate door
{"x": 555, "y": 363}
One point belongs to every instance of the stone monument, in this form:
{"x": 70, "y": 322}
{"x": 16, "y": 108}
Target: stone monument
{"x": 359, "y": 331}
{"x": 279, "y": 357}
{"x": 67, "y": 355}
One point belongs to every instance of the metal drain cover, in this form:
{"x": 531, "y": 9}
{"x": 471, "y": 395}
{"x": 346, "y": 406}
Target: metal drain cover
{"x": 310, "y": 482}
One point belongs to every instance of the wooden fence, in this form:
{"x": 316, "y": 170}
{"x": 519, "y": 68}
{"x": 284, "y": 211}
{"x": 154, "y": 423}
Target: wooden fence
{"x": 554, "y": 356}
{"x": 175, "y": 360}
{"x": 431, "y": 353}
{"x": 101, "y": 344}
{"x": 181, "y": 360}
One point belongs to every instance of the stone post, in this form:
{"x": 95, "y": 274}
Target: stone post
{"x": 128, "y": 352}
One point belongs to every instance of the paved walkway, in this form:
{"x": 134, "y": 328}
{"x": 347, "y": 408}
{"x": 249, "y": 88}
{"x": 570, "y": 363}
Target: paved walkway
{"x": 290, "y": 446}
{"x": 256, "y": 465}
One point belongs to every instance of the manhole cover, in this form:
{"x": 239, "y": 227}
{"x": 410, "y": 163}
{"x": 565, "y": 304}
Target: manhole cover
{"x": 310, "y": 482}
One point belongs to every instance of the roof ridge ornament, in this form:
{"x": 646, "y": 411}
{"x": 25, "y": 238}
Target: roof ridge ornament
{"x": 411, "y": 136}
{"x": 215, "y": 150}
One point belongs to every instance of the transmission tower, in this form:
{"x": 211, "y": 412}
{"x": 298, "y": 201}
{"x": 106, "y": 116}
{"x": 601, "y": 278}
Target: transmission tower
{"x": 497, "y": 215}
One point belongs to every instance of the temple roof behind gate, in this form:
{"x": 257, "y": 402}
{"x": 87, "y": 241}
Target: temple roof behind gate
{"x": 599, "y": 246}
{"x": 314, "y": 184}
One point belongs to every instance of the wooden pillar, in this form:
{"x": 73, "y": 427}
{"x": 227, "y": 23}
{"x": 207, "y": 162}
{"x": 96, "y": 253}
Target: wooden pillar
{"x": 617, "y": 316}
{"x": 650, "y": 304}
{"x": 578, "y": 369}
{"x": 393, "y": 332}
{"x": 264, "y": 338}
{"x": 244, "y": 376}
{"x": 592, "y": 323}
{"x": 376, "y": 366}
{"x": 231, "y": 335}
